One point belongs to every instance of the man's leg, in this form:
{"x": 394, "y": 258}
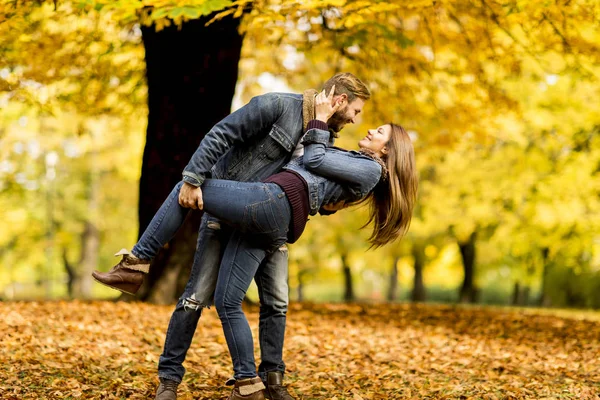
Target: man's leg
{"x": 198, "y": 294}
{"x": 272, "y": 282}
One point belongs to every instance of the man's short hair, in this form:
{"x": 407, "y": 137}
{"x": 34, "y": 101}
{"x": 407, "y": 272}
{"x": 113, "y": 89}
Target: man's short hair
{"x": 349, "y": 84}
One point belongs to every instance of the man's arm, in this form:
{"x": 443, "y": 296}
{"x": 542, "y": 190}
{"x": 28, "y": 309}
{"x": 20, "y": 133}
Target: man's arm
{"x": 238, "y": 127}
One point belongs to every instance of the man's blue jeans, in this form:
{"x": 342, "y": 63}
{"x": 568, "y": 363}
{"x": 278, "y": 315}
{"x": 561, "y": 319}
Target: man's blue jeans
{"x": 271, "y": 278}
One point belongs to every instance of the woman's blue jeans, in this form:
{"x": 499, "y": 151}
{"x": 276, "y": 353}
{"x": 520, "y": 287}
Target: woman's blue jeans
{"x": 255, "y": 208}
{"x": 261, "y": 214}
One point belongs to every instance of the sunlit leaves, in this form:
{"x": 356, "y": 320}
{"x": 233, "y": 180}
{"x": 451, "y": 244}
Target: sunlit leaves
{"x": 332, "y": 351}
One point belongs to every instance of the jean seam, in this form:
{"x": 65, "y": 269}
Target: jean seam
{"x": 194, "y": 272}
{"x": 225, "y": 307}
{"x": 274, "y": 205}
{"x": 162, "y": 217}
{"x": 227, "y": 186}
{"x": 275, "y": 200}
{"x": 266, "y": 322}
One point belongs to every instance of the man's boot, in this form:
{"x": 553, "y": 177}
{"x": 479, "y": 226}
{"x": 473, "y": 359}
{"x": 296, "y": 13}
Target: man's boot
{"x": 127, "y": 276}
{"x": 167, "y": 390}
{"x": 275, "y": 390}
{"x": 248, "y": 389}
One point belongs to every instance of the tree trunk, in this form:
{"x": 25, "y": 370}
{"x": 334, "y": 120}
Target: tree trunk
{"x": 516, "y": 294}
{"x": 525, "y": 295}
{"x": 393, "y": 290}
{"x": 300, "y": 288}
{"x": 71, "y": 273}
{"x": 545, "y": 300}
{"x": 90, "y": 243}
{"x": 191, "y": 74}
{"x": 520, "y": 295}
{"x": 90, "y": 239}
{"x": 468, "y": 291}
{"x": 348, "y": 284}
{"x": 418, "y": 292}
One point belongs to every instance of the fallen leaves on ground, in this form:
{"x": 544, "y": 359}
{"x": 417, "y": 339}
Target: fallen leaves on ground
{"x": 106, "y": 350}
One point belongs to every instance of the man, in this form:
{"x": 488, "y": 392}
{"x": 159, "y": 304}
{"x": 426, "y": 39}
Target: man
{"x": 250, "y": 144}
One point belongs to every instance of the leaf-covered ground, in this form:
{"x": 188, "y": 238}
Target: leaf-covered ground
{"x": 105, "y": 350}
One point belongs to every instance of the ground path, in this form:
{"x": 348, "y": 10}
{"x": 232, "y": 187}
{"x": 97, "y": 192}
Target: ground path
{"x": 105, "y": 350}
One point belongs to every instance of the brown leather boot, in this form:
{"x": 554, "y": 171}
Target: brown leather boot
{"x": 275, "y": 390}
{"x": 248, "y": 389}
{"x": 167, "y": 390}
{"x": 127, "y": 276}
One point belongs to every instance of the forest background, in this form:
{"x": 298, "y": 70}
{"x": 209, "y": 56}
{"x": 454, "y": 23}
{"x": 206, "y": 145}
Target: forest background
{"x": 102, "y": 104}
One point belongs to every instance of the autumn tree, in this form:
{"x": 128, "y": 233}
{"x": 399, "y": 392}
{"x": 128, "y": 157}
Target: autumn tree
{"x": 448, "y": 71}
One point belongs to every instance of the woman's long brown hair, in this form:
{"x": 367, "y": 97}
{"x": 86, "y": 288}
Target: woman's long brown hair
{"x": 392, "y": 201}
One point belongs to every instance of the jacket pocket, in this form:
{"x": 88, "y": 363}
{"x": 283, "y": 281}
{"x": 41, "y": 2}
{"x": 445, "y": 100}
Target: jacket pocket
{"x": 278, "y": 145}
{"x": 239, "y": 161}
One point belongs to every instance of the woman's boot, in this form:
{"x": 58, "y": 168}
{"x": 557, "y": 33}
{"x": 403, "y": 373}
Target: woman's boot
{"x": 127, "y": 276}
{"x": 248, "y": 389}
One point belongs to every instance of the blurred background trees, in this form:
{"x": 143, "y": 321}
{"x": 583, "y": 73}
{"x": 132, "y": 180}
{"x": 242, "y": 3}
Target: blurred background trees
{"x": 500, "y": 99}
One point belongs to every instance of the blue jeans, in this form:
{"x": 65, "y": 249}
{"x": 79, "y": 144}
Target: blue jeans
{"x": 271, "y": 278}
{"x": 255, "y": 208}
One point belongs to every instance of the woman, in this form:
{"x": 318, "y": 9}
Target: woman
{"x": 267, "y": 214}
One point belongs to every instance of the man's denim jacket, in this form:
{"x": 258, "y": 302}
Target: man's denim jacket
{"x": 251, "y": 143}
{"x": 333, "y": 174}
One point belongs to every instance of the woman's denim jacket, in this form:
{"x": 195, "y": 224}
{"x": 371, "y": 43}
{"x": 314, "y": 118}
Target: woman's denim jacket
{"x": 333, "y": 174}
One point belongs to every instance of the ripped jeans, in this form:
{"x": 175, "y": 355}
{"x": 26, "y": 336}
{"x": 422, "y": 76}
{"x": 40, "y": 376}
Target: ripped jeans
{"x": 271, "y": 278}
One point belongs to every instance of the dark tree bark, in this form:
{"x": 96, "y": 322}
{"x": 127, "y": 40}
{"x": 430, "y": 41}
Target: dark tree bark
{"x": 393, "y": 289}
{"x": 516, "y": 294}
{"x": 468, "y": 291}
{"x": 300, "y": 289}
{"x": 520, "y": 295}
{"x": 71, "y": 273}
{"x": 545, "y": 300}
{"x": 191, "y": 73}
{"x": 348, "y": 283}
{"x": 418, "y": 293}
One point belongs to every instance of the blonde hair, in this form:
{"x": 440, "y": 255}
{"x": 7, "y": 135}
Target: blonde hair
{"x": 392, "y": 201}
{"x": 349, "y": 84}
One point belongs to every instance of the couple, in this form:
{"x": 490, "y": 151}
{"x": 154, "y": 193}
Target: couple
{"x": 272, "y": 164}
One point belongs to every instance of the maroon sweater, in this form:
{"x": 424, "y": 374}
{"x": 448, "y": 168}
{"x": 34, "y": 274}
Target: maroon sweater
{"x": 296, "y": 190}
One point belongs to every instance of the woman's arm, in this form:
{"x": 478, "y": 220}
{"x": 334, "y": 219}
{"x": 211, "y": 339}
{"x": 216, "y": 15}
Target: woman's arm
{"x": 338, "y": 165}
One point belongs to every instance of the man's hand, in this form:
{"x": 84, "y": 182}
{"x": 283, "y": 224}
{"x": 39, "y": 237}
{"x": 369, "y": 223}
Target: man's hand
{"x": 190, "y": 196}
{"x": 324, "y": 105}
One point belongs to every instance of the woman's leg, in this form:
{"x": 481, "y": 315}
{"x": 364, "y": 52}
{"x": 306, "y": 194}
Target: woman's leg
{"x": 238, "y": 267}
{"x": 128, "y": 275}
{"x": 251, "y": 207}
{"x": 166, "y": 222}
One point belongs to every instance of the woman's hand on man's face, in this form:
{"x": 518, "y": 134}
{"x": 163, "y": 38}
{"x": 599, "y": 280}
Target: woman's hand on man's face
{"x": 324, "y": 107}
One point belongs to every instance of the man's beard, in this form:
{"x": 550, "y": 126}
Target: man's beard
{"x": 337, "y": 121}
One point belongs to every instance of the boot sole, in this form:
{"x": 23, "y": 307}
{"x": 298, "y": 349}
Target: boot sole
{"x": 116, "y": 288}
